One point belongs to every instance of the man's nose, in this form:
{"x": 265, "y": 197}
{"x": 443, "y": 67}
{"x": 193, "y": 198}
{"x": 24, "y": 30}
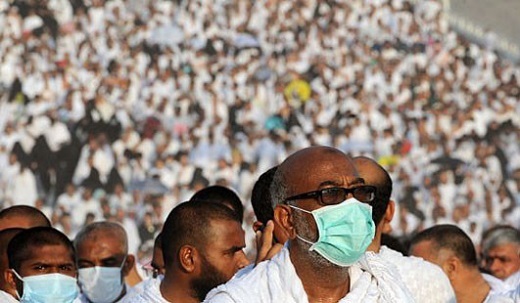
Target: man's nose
{"x": 242, "y": 260}
{"x": 493, "y": 265}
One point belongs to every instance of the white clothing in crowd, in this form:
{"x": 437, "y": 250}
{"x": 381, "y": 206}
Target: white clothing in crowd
{"x": 276, "y": 280}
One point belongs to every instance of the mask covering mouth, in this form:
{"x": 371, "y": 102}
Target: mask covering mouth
{"x": 345, "y": 231}
{"x": 101, "y": 284}
{"x": 48, "y": 288}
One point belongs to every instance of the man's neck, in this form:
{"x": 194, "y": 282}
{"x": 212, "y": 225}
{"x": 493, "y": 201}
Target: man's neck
{"x": 6, "y": 288}
{"x": 375, "y": 246}
{"x": 176, "y": 290}
{"x": 471, "y": 287}
{"x": 322, "y": 282}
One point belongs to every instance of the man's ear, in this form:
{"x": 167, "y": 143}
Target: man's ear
{"x": 11, "y": 280}
{"x": 283, "y": 219}
{"x": 129, "y": 264}
{"x": 387, "y": 218}
{"x": 451, "y": 267}
{"x": 188, "y": 258}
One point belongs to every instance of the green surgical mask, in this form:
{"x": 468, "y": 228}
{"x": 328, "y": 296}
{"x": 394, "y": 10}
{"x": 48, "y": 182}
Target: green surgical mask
{"x": 345, "y": 231}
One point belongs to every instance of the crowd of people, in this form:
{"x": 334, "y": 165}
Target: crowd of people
{"x": 118, "y": 110}
{"x": 319, "y": 238}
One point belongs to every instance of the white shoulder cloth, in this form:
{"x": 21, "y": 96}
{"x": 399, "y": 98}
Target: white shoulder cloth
{"x": 372, "y": 281}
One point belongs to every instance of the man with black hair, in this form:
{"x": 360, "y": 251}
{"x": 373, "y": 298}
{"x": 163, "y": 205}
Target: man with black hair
{"x": 450, "y": 248}
{"x": 22, "y": 216}
{"x": 269, "y": 239}
{"x": 41, "y": 266}
{"x": 103, "y": 262}
{"x": 261, "y": 197}
{"x": 202, "y": 247}
{"x": 222, "y": 195}
{"x": 7, "y": 292}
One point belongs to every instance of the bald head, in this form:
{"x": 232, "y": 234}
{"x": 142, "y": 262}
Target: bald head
{"x": 375, "y": 175}
{"x": 320, "y": 162}
{"x": 22, "y": 216}
{"x": 95, "y": 231}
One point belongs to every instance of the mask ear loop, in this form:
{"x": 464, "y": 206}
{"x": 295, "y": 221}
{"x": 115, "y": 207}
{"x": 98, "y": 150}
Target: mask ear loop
{"x": 298, "y": 236}
{"x": 121, "y": 269}
{"x": 19, "y": 278}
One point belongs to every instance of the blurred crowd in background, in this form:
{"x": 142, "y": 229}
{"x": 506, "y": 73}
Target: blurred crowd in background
{"x": 119, "y": 110}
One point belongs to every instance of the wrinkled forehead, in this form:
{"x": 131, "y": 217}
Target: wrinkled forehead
{"x": 316, "y": 168}
{"x": 48, "y": 254}
{"x": 109, "y": 240}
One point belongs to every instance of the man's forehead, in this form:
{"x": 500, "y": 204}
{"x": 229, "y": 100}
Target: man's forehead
{"x": 315, "y": 169}
{"x": 505, "y": 249}
{"x": 101, "y": 240}
{"x": 50, "y": 254}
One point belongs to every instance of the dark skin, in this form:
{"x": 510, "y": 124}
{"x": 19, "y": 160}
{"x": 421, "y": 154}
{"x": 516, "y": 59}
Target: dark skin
{"x": 104, "y": 248}
{"x": 157, "y": 261}
{"x": 19, "y": 221}
{"x": 5, "y": 237}
{"x": 373, "y": 174}
{"x": 309, "y": 170}
{"x": 224, "y": 250}
{"x": 47, "y": 259}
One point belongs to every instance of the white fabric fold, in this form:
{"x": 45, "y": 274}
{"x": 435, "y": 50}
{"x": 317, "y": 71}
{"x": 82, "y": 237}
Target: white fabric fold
{"x": 276, "y": 281}
{"x": 7, "y": 298}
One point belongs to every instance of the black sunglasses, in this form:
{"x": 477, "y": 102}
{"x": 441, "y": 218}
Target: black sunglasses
{"x": 335, "y": 195}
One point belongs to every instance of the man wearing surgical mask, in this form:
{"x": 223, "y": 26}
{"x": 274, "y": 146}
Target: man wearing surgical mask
{"x": 322, "y": 205}
{"x": 103, "y": 262}
{"x": 41, "y": 266}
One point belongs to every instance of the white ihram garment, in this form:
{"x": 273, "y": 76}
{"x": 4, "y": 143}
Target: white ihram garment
{"x": 148, "y": 292}
{"x": 371, "y": 280}
{"x": 426, "y": 281}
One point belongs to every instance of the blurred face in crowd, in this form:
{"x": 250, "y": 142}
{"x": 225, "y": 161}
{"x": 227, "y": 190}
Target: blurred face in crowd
{"x": 101, "y": 250}
{"x": 102, "y": 260}
{"x": 503, "y": 260}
